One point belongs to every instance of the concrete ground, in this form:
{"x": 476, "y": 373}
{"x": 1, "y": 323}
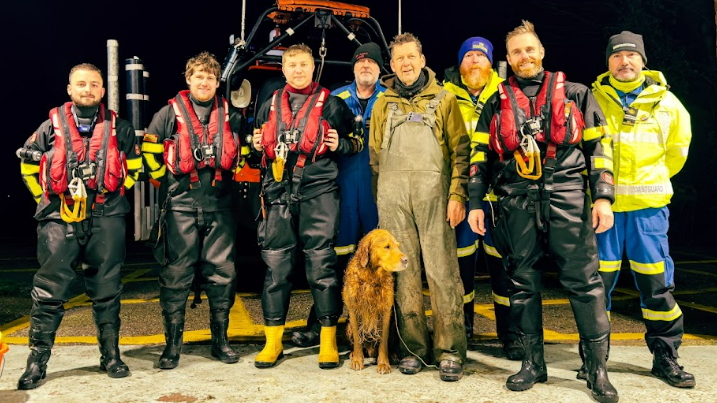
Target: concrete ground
{"x": 74, "y": 376}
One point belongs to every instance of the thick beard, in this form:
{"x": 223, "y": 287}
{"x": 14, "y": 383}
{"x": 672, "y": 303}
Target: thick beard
{"x": 85, "y": 104}
{"x": 530, "y": 73}
{"x": 475, "y": 77}
{"x": 635, "y": 76}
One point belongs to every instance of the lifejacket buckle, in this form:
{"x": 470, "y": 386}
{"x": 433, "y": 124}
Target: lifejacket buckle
{"x": 85, "y": 171}
{"x": 531, "y": 127}
{"x": 208, "y": 151}
{"x": 198, "y": 154}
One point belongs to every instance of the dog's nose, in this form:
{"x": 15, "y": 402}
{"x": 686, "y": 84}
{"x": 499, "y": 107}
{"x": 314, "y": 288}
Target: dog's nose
{"x": 404, "y": 261}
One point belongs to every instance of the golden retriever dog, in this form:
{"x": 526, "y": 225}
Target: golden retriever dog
{"x": 368, "y": 295}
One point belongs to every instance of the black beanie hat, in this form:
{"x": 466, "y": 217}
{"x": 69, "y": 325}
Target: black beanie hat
{"x": 627, "y": 41}
{"x": 367, "y": 50}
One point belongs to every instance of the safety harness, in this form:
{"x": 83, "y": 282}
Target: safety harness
{"x": 76, "y": 163}
{"x": 195, "y": 145}
{"x": 520, "y": 125}
{"x": 301, "y": 133}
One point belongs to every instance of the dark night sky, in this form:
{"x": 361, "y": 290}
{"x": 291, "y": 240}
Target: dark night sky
{"x": 42, "y": 40}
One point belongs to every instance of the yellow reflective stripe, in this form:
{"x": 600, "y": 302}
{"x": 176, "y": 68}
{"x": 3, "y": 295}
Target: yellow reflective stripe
{"x": 345, "y": 250}
{"x": 500, "y": 300}
{"x": 152, "y": 148}
{"x": 245, "y": 150}
{"x": 469, "y": 297}
{"x": 134, "y": 164}
{"x": 668, "y": 316}
{"x": 37, "y": 199}
{"x": 594, "y": 133}
{"x": 609, "y": 265}
{"x": 491, "y": 250}
{"x": 344, "y": 94}
{"x": 478, "y": 157}
{"x": 468, "y": 250}
{"x": 33, "y": 185}
{"x": 151, "y": 161}
{"x": 602, "y": 163}
{"x": 380, "y": 94}
{"x": 29, "y": 169}
{"x": 609, "y": 318}
{"x": 481, "y": 137}
{"x": 129, "y": 182}
{"x": 648, "y": 268}
{"x": 158, "y": 173}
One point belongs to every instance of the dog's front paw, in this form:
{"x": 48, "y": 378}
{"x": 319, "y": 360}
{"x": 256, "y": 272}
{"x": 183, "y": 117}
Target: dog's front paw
{"x": 357, "y": 365}
{"x": 383, "y": 368}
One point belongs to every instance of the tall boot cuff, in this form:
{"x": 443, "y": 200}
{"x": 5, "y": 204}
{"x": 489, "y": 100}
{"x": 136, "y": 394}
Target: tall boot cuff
{"x": 328, "y": 321}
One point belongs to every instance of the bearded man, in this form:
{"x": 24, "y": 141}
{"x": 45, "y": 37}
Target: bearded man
{"x": 543, "y": 133}
{"x": 473, "y": 81}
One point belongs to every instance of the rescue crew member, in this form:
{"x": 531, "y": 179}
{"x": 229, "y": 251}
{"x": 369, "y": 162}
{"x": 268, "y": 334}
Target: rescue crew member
{"x": 651, "y": 138}
{"x": 419, "y": 156}
{"x": 473, "y": 81}
{"x": 358, "y": 209}
{"x": 543, "y": 132}
{"x": 190, "y": 148}
{"x": 77, "y": 165}
{"x": 299, "y": 131}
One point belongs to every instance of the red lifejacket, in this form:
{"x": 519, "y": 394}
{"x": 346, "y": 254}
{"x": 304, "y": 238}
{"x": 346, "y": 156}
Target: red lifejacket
{"x": 70, "y": 152}
{"x": 561, "y": 121}
{"x": 308, "y": 124}
{"x": 193, "y": 148}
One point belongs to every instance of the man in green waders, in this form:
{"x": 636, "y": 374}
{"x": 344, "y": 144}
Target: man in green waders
{"x": 419, "y": 153}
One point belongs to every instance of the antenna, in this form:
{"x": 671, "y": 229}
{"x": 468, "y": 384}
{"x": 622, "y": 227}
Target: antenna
{"x": 399, "y": 17}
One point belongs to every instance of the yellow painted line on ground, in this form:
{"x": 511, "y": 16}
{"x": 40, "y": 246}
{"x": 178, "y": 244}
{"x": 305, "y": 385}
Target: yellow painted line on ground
{"x": 696, "y": 261}
{"x": 240, "y": 323}
{"x": 700, "y": 272}
{"x": 143, "y": 280}
{"x": 135, "y": 275}
{"x": 694, "y": 305}
{"x": 693, "y": 292}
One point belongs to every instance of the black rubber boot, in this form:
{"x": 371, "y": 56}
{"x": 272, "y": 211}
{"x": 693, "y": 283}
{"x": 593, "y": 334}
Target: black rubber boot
{"x": 309, "y": 337}
{"x": 513, "y": 350}
{"x": 108, "y": 338}
{"x": 173, "y": 335}
{"x": 665, "y": 367}
{"x": 583, "y": 371}
{"x": 469, "y": 315}
{"x": 598, "y": 382}
{"x": 40, "y": 350}
{"x": 533, "y": 369}
{"x": 220, "y": 341}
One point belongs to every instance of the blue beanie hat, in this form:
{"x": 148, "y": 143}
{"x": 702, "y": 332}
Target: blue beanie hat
{"x": 476, "y": 43}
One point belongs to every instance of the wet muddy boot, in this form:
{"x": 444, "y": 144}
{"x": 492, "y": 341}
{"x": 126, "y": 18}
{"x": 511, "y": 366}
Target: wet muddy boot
{"x": 665, "y": 367}
{"x": 469, "y": 315}
{"x": 533, "y": 369}
{"x": 174, "y": 337}
{"x": 273, "y": 350}
{"x": 40, "y": 346}
{"x": 597, "y": 380}
{"x": 328, "y": 350}
{"x": 220, "y": 341}
{"x": 110, "y": 361}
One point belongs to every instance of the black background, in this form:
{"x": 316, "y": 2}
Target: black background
{"x": 42, "y": 40}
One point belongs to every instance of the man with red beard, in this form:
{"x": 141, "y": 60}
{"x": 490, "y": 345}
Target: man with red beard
{"x": 543, "y": 132}
{"x": 473, "y": 81}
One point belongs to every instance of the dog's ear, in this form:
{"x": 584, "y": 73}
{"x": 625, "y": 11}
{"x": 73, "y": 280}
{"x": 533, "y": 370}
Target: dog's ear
{"x": 363, "y": 252}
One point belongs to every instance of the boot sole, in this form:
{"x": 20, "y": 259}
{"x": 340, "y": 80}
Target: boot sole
{"x": 168, "y": 366}
{"x": 225, "y": 360}
{"x": 602, "y": 399}
{"x": 264, "y": 364}
{"x": 114, "y": 375}
{"x": 525, "y": 386}
{"x": 683, "y": 385}
{"x": 328, "y": 365}
{"x": 451, "y": 377}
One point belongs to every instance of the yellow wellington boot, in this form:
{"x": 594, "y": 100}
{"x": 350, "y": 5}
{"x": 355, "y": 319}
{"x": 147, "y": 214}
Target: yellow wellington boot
{"x": 328, "y": 351}
{"x": 273, "y": 350}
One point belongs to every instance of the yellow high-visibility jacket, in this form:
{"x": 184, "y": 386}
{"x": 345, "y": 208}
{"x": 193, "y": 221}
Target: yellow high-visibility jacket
{"x": 470, "y": 110}
{"x": 650, "y": 151}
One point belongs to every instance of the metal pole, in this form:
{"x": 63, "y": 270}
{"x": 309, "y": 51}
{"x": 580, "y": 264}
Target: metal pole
{"x": 243, "y": 18}
{"x": 503, "y": 69}
{"x": 112, "y": 75}
{"x": 135, "y": 99}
